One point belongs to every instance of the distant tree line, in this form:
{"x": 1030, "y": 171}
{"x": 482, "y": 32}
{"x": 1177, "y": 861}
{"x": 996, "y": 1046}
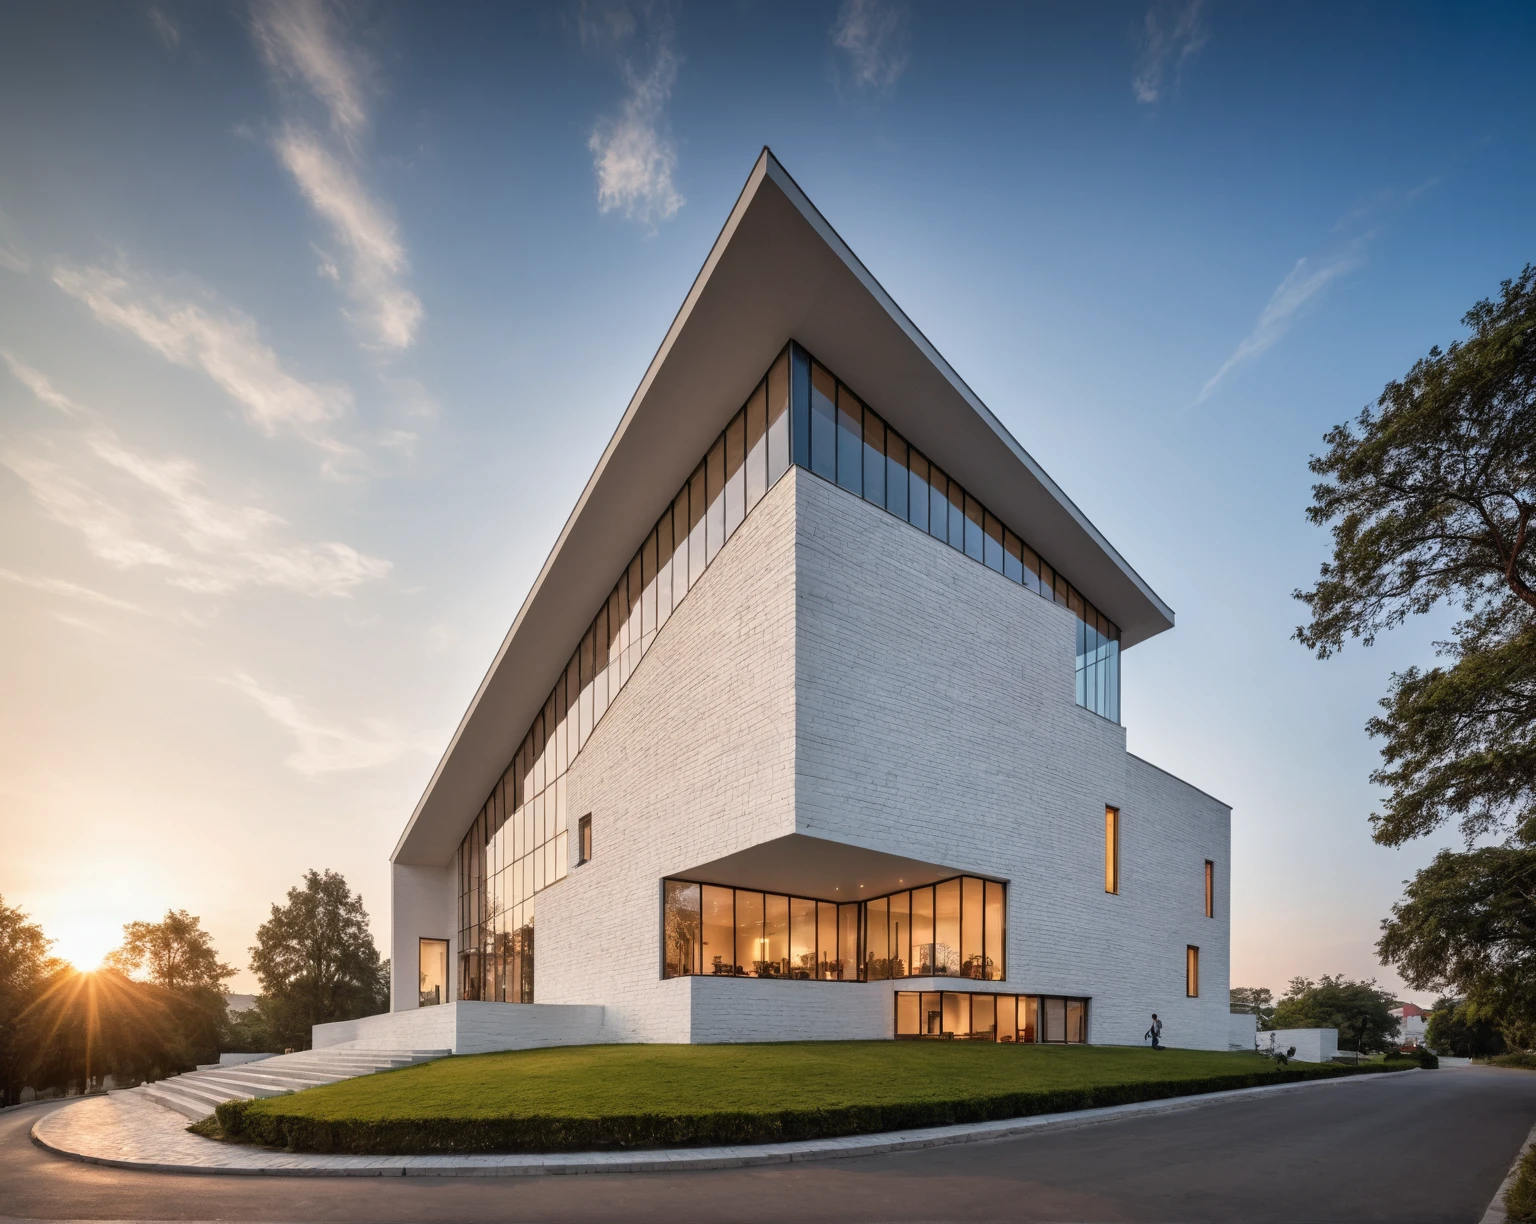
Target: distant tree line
{"x": 158, "y": 1005}
{"x": 1360, "y": 1011}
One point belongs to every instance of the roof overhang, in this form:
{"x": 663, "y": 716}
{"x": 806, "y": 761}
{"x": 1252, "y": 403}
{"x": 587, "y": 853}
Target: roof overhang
{"x": 777, "y": 272}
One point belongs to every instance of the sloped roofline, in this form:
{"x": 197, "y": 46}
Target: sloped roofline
{"x": 776, "y": 283}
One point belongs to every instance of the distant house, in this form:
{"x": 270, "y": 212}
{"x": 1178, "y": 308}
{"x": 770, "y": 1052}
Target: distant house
{"x": 1411, "y": 1022}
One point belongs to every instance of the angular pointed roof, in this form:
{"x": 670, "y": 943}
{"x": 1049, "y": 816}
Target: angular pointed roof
{"x": 777, "y": 271}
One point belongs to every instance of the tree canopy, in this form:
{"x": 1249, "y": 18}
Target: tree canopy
{"x": 1452, "y": 1029}
{"x": 1467, "y": 923}
{"x": 178, "y": 957}
{"x": 1254, "y": 1001}
{"x": 1361, "y": 1012}
{"x": 25, "y": 967}
{"x": 1431, "y": 498}
{"x": 316, "y": 960}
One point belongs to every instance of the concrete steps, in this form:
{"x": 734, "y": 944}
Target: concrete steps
{"x": 196, "y": 1093}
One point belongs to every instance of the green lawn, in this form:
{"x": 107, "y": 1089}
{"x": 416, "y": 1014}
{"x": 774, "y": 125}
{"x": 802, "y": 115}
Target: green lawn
{"x": 579, "y": 1097}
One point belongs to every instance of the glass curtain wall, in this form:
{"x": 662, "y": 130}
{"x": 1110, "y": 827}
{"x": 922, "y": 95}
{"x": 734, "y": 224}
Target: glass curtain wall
{"x": 1026, "y": 1019}
{"x": 953, "y": 928}
{"x": 798, "y": 413}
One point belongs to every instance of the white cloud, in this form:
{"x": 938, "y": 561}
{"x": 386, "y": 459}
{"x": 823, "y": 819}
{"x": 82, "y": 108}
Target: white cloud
{"x": 1301, "y": 285}
{"x": 873, "y": 34}
{"x": 377, "y": 260}
{"x": 225, "y": 345}
{"x": 37, "y": 382}
{"x": 71, "y": 590}
{"x": 165, "y": 27}
{"x": 1171, "y": 36}
{"x": 297, "y": 41}
{"x": 14, "y": 261}
{"x": 325, "y": 747}
{"x": 138, "y": 510}
{"x": 633, "y": 156}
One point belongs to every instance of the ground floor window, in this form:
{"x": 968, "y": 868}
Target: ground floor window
{"x": 955, "y": 928}
{"x": 432, "y": 972}
{"x": 972, "y": 1016}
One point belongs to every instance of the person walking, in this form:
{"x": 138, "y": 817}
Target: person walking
{"x": 1155, "y": 1032}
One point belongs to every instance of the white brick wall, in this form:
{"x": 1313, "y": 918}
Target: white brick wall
{"x": 836, "y": 673}
{"x": 423, "y": 905}
{"x": 936, "y": 718}
{"x": 695, "y": 759}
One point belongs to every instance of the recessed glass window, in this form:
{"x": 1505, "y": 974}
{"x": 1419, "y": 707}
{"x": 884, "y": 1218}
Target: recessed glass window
{"x": 1192, "y": 971}
{"x": 433, "y": 971}
{"x": 850, "y": 441}
{"x": 1210, "y": 889}
{"x": 823, "y": 423}
{"x": 1111, "y": 850}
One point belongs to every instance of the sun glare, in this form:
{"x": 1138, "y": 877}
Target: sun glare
{"x": 85, "y": 947}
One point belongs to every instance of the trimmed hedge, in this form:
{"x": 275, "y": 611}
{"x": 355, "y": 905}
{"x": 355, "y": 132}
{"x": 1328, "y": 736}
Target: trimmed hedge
{"x": 1523, "y": 1061}
{"x": 264, "y": 1122}
{"x": 1419, "y": 1057}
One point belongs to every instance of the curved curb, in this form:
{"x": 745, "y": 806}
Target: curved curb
{"x": 292, "y": 1164}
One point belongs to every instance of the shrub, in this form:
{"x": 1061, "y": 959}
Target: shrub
{"x": 1525, "y": 1061}
{"x": 1520, "y": 1198}
{"x": 1416, "y": 1055}
{"x": 265, "y": 1122}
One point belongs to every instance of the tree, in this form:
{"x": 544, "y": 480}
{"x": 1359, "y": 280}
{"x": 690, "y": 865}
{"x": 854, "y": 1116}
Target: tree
{"x": 1432, "y": 498}
{"x": 1361, "y": 1013}
{"x": 177, "y": 955}
{"x": 316, "y": 960}
{"x": 85, "y": 1026}
{"x": 1452, "y": 1029}
{"x": 247, "y": 1033}
{"x": 1254, "y": 1001}
{"x": 1468, "y": 923}
{"x": 24, "y": 968}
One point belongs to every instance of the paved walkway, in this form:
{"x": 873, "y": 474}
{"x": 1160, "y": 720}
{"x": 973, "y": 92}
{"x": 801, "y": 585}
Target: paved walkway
{"x": 127, "y": 1130}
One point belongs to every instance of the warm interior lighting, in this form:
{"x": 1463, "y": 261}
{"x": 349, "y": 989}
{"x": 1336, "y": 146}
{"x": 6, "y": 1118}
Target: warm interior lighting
{"x": 1111, "y": 850}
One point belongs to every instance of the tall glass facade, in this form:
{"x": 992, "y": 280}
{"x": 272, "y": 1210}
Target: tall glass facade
{"x": 798, "y": 413}
{"x": 991, "y": 1017}
{"x": 956, "y": 928}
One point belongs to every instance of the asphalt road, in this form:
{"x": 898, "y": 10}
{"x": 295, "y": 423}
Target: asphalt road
{"x": 1427, "y": 1146}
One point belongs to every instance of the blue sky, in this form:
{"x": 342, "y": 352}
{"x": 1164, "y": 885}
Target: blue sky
{"x": 315, "y": 317}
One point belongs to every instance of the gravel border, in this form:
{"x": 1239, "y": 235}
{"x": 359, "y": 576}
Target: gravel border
{"x": 53, "y": 1133}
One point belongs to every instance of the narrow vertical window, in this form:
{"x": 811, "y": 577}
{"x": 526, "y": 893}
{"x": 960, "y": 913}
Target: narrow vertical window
{"x": 800, "y": 434}
{"x": 1210, "y": 889}
{"x": 896, "y": 480}
{"x": 584, "y": 839}
{"x": 850, "y": 441}
{"x": 735, "y": 477}
{"x": 1192, "y": 971}
{"x": 1111, "y": 850}
{"x": 432, "y": 973}
{"x": 823, "y": 423}
{"x": 874, "y": 458}
{"x": 757, "y": 445}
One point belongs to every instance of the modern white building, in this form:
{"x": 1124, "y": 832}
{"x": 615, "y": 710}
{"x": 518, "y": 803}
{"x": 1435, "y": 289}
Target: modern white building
{"x": 809, "y": 727}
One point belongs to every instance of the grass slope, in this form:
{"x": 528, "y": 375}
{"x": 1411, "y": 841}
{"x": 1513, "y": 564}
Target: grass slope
{"x": 586, "y": 1097}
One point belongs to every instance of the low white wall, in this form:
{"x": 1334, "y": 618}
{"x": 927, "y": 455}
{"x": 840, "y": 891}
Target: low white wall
{"x": 1242, "y": 1028}
{"x": 1316, "y": 1045}
{"x": 468, "y": 1028}
{"x": 759, "y": 1009}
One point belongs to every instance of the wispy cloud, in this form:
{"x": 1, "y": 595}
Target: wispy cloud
{"x": 14, "y": 261}
{"x": 376, "y": 258}
{"x": 71, "y": 590}
{"x": 1302, "y": 284}
{"x": 874, "y": 36}
{"x": 1171, "y": 35}
{"x": 165, "y": 27}
{"x": 142, "y": 511}
{"x": 1311, "y": 275}
{"x": 633, "y": 154}
{"x": 298, "y": 40}
{"x": 224, "y": 344}
{"x": 301, "y": 43}
{"x": 38, "y": 383}
{"x": 324, "y": 746}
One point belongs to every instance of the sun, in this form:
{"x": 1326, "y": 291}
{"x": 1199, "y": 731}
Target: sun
{"x": 85, "y": 944}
